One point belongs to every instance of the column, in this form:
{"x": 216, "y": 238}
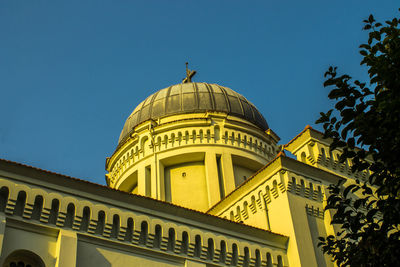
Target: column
{"x": 212, "y": 178}
{"x": 227, "y": 171}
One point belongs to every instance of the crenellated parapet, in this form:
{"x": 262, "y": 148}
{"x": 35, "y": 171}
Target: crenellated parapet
{"x": 311, "y": 148}
{"x": 126, "y": 219}
{"x": 285, "y": 196}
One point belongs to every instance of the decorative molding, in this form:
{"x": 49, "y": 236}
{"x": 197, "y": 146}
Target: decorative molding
{"x": 126, "y": 226}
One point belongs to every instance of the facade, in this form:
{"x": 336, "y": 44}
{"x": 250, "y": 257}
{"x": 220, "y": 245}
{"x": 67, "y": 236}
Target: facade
{"x": 197, "y": 179}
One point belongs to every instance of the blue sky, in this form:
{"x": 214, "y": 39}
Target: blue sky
{"x": 71, "y": 72}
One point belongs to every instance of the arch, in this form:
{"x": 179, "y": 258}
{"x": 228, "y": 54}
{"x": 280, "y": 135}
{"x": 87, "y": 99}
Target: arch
{"x": 101, "y": 217}
{"x": 20, "y": 204}
{"x": 238, "y": 214}
{"x": 144, "y": 227}
{"x": 85, "y": 219}
{"x": 69, "y": 218}
{"x": 303, "y": 157}
{"x": 234, "y": 260}
{"x": 319, "y": 192}
{"x": 157, "y": 236}
{"x": 37, "y": 208}
{"x": 185, "y": 242}
{"x": 4, "y": 193}
{"x": 302, "y": 185}
{"x": 24, "y": 258}
{"x": 129, "y": 230}
{"x": 269, "y": 260}
{"x": 222, "y": 255}
{"x": 253, "y": 203}
{"x": 197, "y": 246}
{"x": 115, "y": 226}
{"x": 210, "y": 249}
{"x": 246, "y": 260}
{"x": 171, "y": 239}
{"x": 232, "y": 216}
{"x": 323, "y": 156}
{"x": 275, "y": 185}
{"x": 55, "y": 206}
{"x": 159, "y": 143}
{"x": 258, "y": 258}
{"x": 268, "y": 193}
{"x": 245, "y": 209}
{"x": 280, "y": 262}
{"x": 311, "y": 189}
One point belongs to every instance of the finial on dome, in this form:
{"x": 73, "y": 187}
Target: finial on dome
{"x": 189, "y": 75}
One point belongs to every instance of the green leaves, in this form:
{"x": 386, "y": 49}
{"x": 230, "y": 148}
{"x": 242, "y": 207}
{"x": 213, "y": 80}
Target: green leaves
{"x": 367, "y": 211}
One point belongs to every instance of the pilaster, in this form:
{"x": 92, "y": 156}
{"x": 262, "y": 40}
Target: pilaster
{"x": 66, "y": 249}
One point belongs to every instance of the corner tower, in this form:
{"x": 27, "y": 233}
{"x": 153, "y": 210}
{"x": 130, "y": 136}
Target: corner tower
{"x": 190, "y": 144}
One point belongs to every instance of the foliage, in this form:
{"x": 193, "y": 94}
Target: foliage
{"x": 365, "y": 124}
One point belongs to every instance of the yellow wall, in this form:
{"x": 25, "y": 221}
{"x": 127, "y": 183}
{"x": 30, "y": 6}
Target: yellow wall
{"x": 186, "y": 185}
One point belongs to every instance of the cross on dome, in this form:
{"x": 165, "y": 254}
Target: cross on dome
{"x": 189, "y": 74}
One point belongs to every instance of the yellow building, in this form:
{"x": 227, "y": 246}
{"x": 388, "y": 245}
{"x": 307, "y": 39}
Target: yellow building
{"x": 197, "y": 179}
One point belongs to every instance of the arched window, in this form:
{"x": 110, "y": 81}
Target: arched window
{"x": 210, "y": 249}
{"x": 37, "y": 208}
{"x": 157, "y": 236}
{"x": 55, "y": 206}
{"x": 246, "y": 260}
{"x": 115, "y": 226}
{"x": 303, "y": 187}
{"x": 269, "y": 260}
{"x": 143, "y": 233}
{"x": 69, "y": 218}
{"x": 129, "y": 230}
{"x": 3, "y": 198}
{"x": 101, "y": 217}
{"x": 280, "y": 263}
{"x": 20, "y": 204}
{"x": 171, "y": 239}
{"x": 222, "y": 255}
{"x": 323, "y": 156}
{"x": 85, "y": 219}
{"x": 253, "y": 203}
{"x": 185, "y": 243}
{"x": 311, "y": 189}
{"x": 238, "y": 214}
{"x": 197, "y": 246}
{"x": 23, "y": 258}
{"x": 258, "y": 258}
{"x": 234, "y": 260}
{"x": 303, "y": 157}
{"x": 275, "y": 185}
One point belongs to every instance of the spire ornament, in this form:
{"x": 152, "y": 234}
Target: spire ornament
{"x": 189, "y": 74}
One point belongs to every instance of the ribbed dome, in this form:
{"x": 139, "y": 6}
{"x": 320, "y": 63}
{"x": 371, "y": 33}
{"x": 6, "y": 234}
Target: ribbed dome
{"x": 193, "y": 98}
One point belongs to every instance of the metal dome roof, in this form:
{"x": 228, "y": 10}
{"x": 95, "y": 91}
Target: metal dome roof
{"x": 193, "y": 98}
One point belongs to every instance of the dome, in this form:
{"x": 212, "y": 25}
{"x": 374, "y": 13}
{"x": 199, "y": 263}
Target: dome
{"x": 193, "y": 98}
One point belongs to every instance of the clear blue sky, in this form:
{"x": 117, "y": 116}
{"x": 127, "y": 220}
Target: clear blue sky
{"x": 72, "y": 71}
